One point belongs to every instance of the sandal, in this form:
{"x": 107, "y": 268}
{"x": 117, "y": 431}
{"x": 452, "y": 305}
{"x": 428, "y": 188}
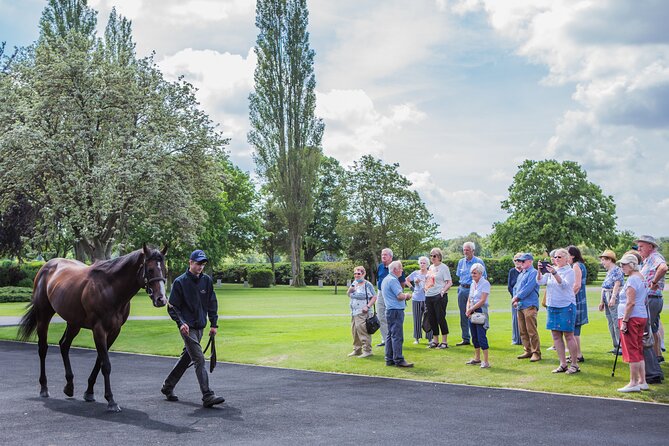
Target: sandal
{"x": 473, "y": 362}
{"x": 442, "y": 345}
{"x": 561, "y": 369}
{"x": 573, "y": 369}
{"x": 432, "y": 345}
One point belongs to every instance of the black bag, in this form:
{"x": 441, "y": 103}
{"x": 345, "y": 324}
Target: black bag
{"x": 372, "y": 323}
{"x": 425, "y": 323}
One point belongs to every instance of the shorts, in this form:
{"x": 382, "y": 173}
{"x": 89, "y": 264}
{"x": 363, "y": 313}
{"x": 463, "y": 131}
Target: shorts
{"x": 632, "y": 341}
{"x": 561, "y": 319}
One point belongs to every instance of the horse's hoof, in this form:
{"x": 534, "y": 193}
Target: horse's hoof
{"x": 69, "y": 389}
{"x": 113, "y": 407}
{"x": 44, "y": 393}
{"x": 89, "y": 397}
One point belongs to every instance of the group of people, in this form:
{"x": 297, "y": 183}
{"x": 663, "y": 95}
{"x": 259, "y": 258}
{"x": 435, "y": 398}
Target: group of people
{"x": 630, "y": 305}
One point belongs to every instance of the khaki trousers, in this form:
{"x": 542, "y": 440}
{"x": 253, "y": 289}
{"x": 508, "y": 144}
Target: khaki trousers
{"x": 362, "y": 341}
{"x": 527, "y": 325}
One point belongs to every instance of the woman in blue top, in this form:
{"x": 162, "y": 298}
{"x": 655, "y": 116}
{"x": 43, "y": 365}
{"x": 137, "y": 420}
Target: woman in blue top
{"x": 418, "y": 306}
{"x": 478, "y": 303}
{"x": 609, "y": 299}
{"x": 580, "y": 276}
{"x": 632, "y": 318}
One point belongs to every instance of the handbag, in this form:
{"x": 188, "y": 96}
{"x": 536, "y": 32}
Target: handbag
{"x": 425, "y": 322}
{"x": 372, "y": 323}
{"x": 477, "y": 318}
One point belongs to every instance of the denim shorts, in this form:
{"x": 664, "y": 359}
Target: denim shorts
{"x": 561, "y": 319}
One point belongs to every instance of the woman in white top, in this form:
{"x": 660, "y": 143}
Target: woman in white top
{"x": 416, "y": 281}
{"x": 561, "y": 306}
{"x": 478, "y": 303}
{"x": 436, "y": 298}
{"x": 363, "y": 297}
{"x": 632, "y": 319}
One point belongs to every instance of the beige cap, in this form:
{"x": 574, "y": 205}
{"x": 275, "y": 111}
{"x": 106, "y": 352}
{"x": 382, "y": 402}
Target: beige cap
{"x": 629, "y": 259}
{"x": 609, "y": 254}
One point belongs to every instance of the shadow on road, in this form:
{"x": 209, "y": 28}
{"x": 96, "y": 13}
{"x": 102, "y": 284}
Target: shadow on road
{"x": 99, "y": 411}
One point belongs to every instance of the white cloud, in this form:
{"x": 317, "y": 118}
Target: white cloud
{"x": 354, "y": 126}
{"x": 224, "y": 82}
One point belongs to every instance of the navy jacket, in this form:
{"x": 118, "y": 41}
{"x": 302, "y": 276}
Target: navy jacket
{"x": 192, "y": 299}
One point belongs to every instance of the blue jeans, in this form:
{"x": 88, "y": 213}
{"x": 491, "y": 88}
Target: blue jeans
{"x": 463, "y": 296}
{"x": 395, "y": 336}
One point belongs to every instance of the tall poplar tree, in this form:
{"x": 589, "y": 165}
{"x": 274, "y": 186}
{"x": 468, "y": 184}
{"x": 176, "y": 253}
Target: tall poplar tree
{"x": 285, "y": 132}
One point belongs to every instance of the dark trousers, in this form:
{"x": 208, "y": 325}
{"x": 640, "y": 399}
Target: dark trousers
{"x": 436, "y": 313}
{"x": 463, "y": 296}
{"x": 395, "y": 336}
{"x": 192, "y": 352}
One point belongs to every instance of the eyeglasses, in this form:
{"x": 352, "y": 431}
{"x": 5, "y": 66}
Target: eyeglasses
{"x": 557, "y": 257}
{"x": 357, "y": 273}
{"x": 518, "y": 260}
{"x": 204, "y": 262}
{"x": 434, "y": 255}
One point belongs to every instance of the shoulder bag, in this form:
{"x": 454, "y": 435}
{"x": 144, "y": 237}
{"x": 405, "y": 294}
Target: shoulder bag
{"x": 372, "y": 323}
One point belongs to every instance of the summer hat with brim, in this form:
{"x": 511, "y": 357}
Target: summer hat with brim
{"x": 648, "y": 239}
{"x": 609, "y": 255}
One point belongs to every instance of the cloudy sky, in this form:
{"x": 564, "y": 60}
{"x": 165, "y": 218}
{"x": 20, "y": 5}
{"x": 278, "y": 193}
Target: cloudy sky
{"x": 459, "y": 92}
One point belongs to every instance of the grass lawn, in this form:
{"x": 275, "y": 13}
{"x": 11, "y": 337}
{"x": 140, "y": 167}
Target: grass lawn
{"x": 306, "y": 332}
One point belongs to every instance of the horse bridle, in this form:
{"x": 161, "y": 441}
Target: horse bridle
{"x": 148, "y": 281}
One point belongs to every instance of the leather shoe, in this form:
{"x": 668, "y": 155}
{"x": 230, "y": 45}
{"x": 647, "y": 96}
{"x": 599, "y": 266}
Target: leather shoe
{"x": 405, "y": 364}
{"x": 463, "y": 343}
{"x": 211, "y": 400}
{"x": 169, "y": 394}
{"x": 390, "y": 364}
{"x": 535, "y": 357}
{"x": 524, "y": 355}
{"x": 381, "y": 344}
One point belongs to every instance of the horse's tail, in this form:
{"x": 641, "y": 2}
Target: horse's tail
{"x": 28, "y": 323}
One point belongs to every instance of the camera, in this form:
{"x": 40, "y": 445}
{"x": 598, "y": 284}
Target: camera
{"x": 542, "y": 266}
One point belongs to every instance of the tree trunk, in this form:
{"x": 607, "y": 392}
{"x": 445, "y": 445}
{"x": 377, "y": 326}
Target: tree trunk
{"x": 296, "y": 258}
{"x": 80, "y": 251}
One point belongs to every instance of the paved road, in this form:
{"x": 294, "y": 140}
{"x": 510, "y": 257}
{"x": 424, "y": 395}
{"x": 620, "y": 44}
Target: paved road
{"x": 279, "y": 406}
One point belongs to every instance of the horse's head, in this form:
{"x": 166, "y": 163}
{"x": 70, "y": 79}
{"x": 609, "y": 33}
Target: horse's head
{"x": 155, "y": 275}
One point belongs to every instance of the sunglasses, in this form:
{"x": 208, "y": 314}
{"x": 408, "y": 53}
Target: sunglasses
{"x": 434, "y": 255}
{"x": 557, "y": 257}
{"x": 357, "y": 273}
{"x": 519, "y": 261}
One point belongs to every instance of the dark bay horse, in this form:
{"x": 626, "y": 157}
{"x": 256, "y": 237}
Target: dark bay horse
{"x": 95, "y": 297}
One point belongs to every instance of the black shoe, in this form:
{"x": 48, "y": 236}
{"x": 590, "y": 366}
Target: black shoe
{"x": 390, "y": 364}
{"x": 463, "y": 343}
{"x": 169, "y": 395}
{"x": 211, "y": 400}
{"x": 382, "y": 344}
{"x": 660, "y": 359}
{"x": 405, "y": 364}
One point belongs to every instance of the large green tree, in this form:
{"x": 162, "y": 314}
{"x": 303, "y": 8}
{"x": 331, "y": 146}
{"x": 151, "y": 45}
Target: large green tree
{"x": 329, "y": 204}
{"x": 552, "y": 204}
{"x": 100, "y": 142}
{"x": 383, "y": 211}
{"x": 285, "y": 132}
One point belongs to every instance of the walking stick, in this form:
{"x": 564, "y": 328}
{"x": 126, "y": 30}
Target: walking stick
{"x": 615, "y": 361}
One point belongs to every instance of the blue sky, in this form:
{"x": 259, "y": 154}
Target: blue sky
{"x": 458, "y": 92}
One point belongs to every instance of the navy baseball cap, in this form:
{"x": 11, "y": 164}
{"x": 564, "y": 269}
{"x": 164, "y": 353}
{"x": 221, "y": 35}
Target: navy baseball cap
{"x": 526, "y": 256}
{"x": 198, "y": 256}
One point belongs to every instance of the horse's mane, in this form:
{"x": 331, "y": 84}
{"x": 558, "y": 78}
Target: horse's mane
{"x": 113, "y": 266}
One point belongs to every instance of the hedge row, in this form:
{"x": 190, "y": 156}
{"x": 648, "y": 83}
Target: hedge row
{"x": 12, "y": 274}
{"x": 15, "y": 294}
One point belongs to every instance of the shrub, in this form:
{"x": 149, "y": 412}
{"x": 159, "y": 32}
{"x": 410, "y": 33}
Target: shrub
{"x": 10, "y": 274}
{"x": 592, "y": 266}
{"x": 15, "y": 294}
{"x": 261, "y": 278}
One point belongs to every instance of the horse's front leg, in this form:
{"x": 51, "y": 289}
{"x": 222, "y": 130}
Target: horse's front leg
{"x": 89, "y": 395}
{"x": 100, "y": 337}
{"x": 65, "y": 342}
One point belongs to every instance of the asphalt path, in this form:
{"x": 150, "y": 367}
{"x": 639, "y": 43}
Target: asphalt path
{"x": 280, "y": 406}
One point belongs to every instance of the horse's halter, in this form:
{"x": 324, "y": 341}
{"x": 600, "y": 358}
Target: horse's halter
{"x": 149, "y": 280}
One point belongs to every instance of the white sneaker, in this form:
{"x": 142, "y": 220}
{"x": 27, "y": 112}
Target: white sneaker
{"x": 628, "y": 389}
{"x": 354, "y": 353}
{"x": 552, "y": 347}
{"x": 366, "y": 355}
{"x": 416, "y": 342}
{"x": 644, "y": 386}
{"x": 485, "y": 365}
